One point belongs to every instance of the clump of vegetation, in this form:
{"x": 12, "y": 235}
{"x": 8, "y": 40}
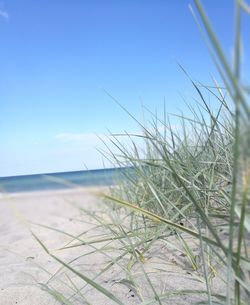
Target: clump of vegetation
{"x": 186, "y": 190}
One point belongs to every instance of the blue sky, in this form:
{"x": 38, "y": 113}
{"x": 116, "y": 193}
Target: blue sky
{"x": 57, "y": 57}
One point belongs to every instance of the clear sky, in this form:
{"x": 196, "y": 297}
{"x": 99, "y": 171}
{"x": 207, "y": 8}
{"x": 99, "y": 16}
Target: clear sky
{"x": 58, "y": 56}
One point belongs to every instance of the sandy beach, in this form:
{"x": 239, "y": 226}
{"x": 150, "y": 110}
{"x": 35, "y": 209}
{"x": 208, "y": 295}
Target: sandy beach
{"x": 21, "y": 256}
{"x": 25, "y": 266}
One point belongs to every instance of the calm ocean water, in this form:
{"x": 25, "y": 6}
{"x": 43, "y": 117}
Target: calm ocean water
{"x": 100, "y": 177}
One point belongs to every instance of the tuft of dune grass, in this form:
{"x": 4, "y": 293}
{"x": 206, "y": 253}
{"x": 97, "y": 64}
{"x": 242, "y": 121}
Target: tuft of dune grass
{"x": 185, "y": 191}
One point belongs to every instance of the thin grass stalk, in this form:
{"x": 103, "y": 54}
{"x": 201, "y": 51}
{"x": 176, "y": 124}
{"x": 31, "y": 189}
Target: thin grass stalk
{"x": 237, "y": 143}
{"x": 205, "y": 267}
{"x": 217, "y": 46}
{"x": 80, "y": 275}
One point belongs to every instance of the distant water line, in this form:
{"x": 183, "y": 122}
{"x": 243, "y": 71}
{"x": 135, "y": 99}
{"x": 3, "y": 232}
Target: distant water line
{"x": 53, "y": 181}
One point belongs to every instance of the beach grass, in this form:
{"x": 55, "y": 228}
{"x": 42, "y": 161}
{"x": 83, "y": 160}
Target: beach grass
{"x": 186, "y": 190}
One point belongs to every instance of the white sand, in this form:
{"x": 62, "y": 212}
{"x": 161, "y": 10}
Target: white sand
{"x": 20, "y": 252}
{"x": 21, "y": 256}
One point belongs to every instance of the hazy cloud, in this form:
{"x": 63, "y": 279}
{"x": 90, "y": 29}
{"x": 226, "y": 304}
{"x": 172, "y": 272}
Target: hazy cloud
{"x": 88, "y": 138}
{"x": 4, "y": 14}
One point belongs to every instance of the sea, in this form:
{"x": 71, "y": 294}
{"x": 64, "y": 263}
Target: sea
{"x": 62, "y": 180}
